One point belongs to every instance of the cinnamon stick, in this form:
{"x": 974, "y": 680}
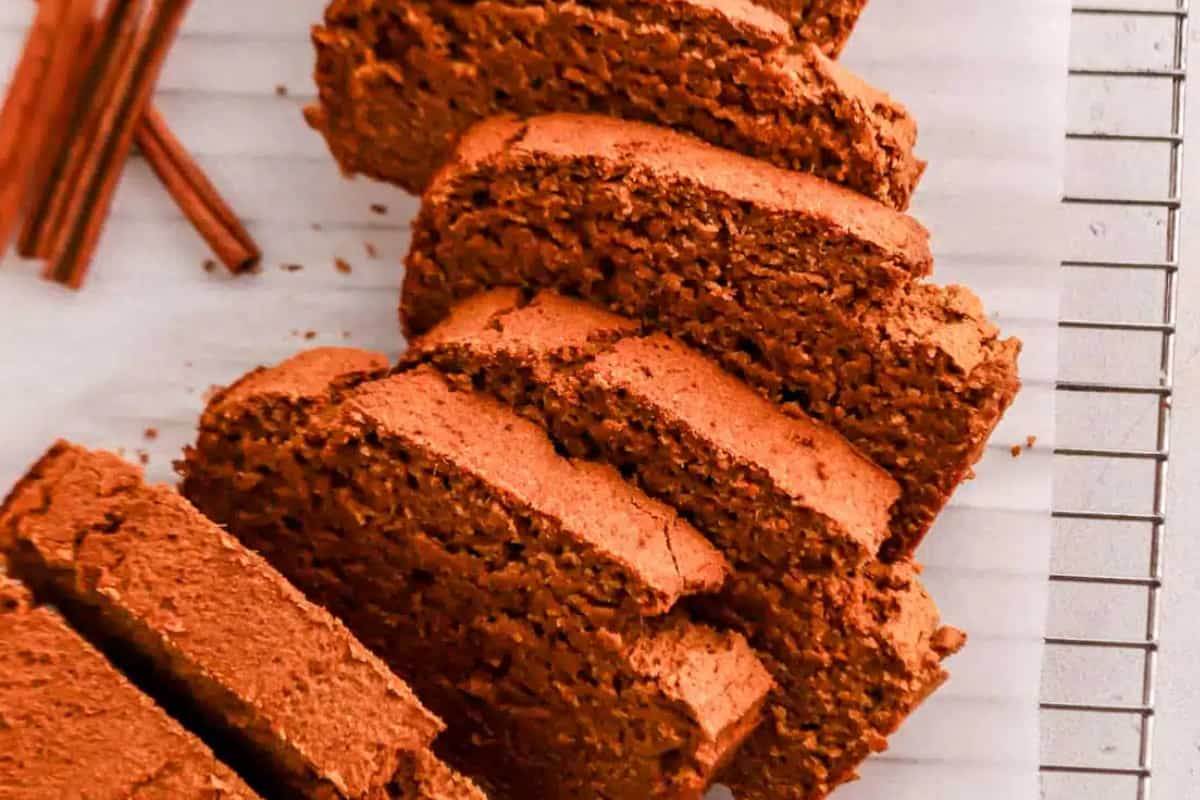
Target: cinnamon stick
{"x": 91, "y": 199}
{"x": 195, "y": 194}
{"x": 110, "y": 44}
{"x": 48, "y": 133}
{"x": 37, "y": 102}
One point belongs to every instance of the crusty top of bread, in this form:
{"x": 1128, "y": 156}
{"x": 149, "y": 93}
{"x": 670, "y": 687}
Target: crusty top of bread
{"x": 806, "y": 459}
{"x": 593, "y": 503}
{"x": 670, "y": 156}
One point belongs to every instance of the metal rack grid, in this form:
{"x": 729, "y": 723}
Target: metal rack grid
{"x": 1085, "y": 775}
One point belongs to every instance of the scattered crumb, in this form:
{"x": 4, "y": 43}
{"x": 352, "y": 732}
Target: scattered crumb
{"x": 294, "y": 332}
{"x": 281, "y": 90}
{"x": 150, "y": 433}
{"x": 187, "y": 364}
{"x": 143, "y": 457}
{"x": 1030, "y": 441}
{"x": 291, "y": 267}
{"x": 121, "y": 452}
{"x": 379, "y": 208}
{"x": 346, "y": 334}
{"x": 210, "y": 265}
{"x": 372, "y": 252}
{"x": 316, "y": 226}
{"x": 343, "y": 266}
{"x": 310, "y": 335}
{"x": 1016, "y": 451}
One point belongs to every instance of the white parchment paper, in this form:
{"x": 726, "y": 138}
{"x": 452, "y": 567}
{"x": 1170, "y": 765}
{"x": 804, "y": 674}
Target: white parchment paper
{"x": 152, "y": 330}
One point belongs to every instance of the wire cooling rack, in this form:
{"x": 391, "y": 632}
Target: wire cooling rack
{"x": 1124, "y": 155}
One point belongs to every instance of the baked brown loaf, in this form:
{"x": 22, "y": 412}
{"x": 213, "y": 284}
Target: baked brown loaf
{"x": 401, "y": 80}
{"x": 854, "y": 645}
{"x": 72, "y": 726}
{"x": 220, "y": 631}
{"x": 804, "y": 290}
{"x": 532, "y": 601}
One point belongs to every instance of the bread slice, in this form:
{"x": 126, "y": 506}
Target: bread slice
{"x": 802, "y": 289}
{"x": 215, "y": 631}
{"x": 400, "y": 81}
{"x": 854, "y": 645}
{"x": 533, "y": 601}
{"x": 770, "y": 490}
{"x": 75, "y": 727}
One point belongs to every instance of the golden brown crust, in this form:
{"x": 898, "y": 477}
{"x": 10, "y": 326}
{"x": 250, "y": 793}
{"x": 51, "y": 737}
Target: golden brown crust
{"x": 664, "y": 156}
{"x": 73, "y": 726}
{"x": 401, "y": 81}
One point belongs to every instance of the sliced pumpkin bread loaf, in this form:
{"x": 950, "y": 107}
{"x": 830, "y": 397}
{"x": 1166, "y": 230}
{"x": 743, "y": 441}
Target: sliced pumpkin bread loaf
{"x": 401, "y": 80}
{"x": 219, "y": 636}
{"x": 532, "y": 600}
{"x": 802, "y": 289}
{"x": 854, "y": 644}
{"x": 72, "y": 726}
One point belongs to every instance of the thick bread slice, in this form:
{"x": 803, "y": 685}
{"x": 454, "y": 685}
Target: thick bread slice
{"x": 532, "y": 600}
{"x": 215, "y": 630}
{"x": 768, "y": 489}
{"x": 72, "y": 726}
{"x": 804, "y": 290}
{"x": 854, "y": 645}
{"x": 401, "y": 80}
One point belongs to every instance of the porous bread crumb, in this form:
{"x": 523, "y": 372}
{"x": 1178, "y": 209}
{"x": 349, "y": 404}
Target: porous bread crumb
{"x": 746, "y": 85}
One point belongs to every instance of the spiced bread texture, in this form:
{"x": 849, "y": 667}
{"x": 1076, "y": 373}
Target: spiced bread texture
{"x": 854, "y": 644}
{"x": 72, "y": 726}
{"x": 769, "y": 489}
{"x": 215, "y": 631}
{"x": 533, "y": 601}
{"x": 805, "y": 291}
{"x": 828, "y": 23}
{"x": 401, "y": 80}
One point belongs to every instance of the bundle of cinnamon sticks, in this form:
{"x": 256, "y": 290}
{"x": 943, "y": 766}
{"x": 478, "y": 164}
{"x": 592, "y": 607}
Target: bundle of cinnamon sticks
{"x": 79, "y": 99}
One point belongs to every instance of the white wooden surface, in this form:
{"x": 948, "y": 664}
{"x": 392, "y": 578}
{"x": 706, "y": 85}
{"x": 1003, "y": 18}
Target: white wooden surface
{"x": 152, "y": 330}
